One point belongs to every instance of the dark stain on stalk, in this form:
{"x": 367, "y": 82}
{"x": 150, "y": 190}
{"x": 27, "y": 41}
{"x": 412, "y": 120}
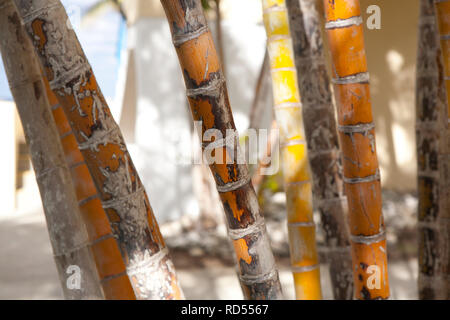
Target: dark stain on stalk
{"x": 37, "y": 89}
{"x": 14, "y": 20}
{"x": 365, "y": 293}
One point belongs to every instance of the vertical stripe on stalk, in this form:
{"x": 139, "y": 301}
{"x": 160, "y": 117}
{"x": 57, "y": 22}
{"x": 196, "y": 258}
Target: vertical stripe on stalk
{"x": 122, "y": 195}
{"x": 208, "y": 100}
{"x": 322, "y": 140}
{"x": 294, "y": 159}
{"x": 357, "y": 139}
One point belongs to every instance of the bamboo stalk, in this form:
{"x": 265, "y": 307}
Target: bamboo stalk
{"x": 431, "y": 103}
{"x": 116, "y": 285}
{"x": 120, "y": 190}
{"x": 68, "y": 235}
{"x": 322, "y": 139}
{"x": 208, "y": 99}
{"x": 357, "y": 140}
{"x": 294, "y": 159}
{"x": 443, "y": 21}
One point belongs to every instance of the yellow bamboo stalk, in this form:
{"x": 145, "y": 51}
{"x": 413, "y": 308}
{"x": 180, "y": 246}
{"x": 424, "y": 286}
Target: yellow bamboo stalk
{"x": 294, "y": 159}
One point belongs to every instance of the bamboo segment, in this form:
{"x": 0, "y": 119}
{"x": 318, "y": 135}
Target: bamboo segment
{"x": 68, "y": 235}
{"x": 443, "y": 21}
{"x": 322, "y": 140}
{"x": 119, "y": 188}
{"x": 357, "y": 139}
{"x": 294, "y": 160}
{"x": 114, "y": 280}
{"x": 208, "y": 99}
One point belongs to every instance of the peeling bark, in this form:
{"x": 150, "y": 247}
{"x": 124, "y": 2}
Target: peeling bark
{"x": 67, "y": 232}
{"x": 323, "y": 147}
{"x": 294, "y": 155}
{"x": 344, "y": 27}
{"x": 99, "y": 138}
{"x": 208, "y": 99}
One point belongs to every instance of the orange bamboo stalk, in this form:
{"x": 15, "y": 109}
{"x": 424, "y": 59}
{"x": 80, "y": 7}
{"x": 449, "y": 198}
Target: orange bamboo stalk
{"x": 443, "y": 21}
{"x": 357, "y": 139}
{"x": 116, "y": 284}
{"x": 294, "y": 157}
{"x": 208, "y": 99}
{"x": 68, "y": 235}
{"x": 71, "y": 79}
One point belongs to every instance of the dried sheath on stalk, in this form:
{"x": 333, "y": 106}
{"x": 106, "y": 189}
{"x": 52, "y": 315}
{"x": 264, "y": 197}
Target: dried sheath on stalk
{"x": 357, "y": 139}
{"x": 122, "y": 194}
{"x": 68, "y": 236}
{"x": 208, "y": 99}
{"x": 294, "y": 159}
{"x": 323, "y": 147}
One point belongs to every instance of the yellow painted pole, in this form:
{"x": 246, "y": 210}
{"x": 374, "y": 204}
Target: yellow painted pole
{"x": 294, "y": 159}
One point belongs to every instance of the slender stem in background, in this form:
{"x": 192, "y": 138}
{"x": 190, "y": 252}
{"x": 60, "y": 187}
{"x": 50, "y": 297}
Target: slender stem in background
{"x": 68, "y": 235}
{"x": 208, "y": 99}
{"x": 356, "y": 129}
{"x": 120, "y": 189}
{"x": 323, "y": 146}
{"x": 294, "y": 158}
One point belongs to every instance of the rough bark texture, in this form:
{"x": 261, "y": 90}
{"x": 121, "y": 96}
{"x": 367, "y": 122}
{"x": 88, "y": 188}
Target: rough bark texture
{"x": 111, "y": 268}
{"x": 430, "y": 105}
{"x": 321, "y": 136}
{"x": 208, "y": 99}
{"x": 294, "y": 159}
{"x": 443, "y": 21}
{"x": 357, "y": 140}
{"x": 67, "y": 232}
{"x": 120, "y": 190}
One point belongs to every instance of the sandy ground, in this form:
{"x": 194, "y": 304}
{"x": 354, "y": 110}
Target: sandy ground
{"x": 27, "y": 270}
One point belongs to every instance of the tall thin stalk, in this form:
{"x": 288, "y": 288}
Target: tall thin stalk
{"x": 120, "y": 189}
{"x": 208, "y": 99}
{"x": 322, "y": 139}
{"x": 116, "y": 285}
{"x": 357, "y": 140}
{"x": 68, "y": 236}
{"x": 431, "y": 103}
{"x": 294, "y": 158}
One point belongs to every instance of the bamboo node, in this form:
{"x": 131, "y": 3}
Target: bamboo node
{"x": 296, "y": 269}
{"x": 257, "y": 226}
{"x": 362, "y": 77}
{"x": 248, "y": 279}
{"x": 148, "y": 262}
{"x": 374, "y": 177}
{"x": 357, "y": 128}
{"x": 344, "y": 23}
{"x": 179, "y": 39}
{"x": 211, "y": 89}
{"x": 232, "y": 186}
{"x": 369, "y": 239}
